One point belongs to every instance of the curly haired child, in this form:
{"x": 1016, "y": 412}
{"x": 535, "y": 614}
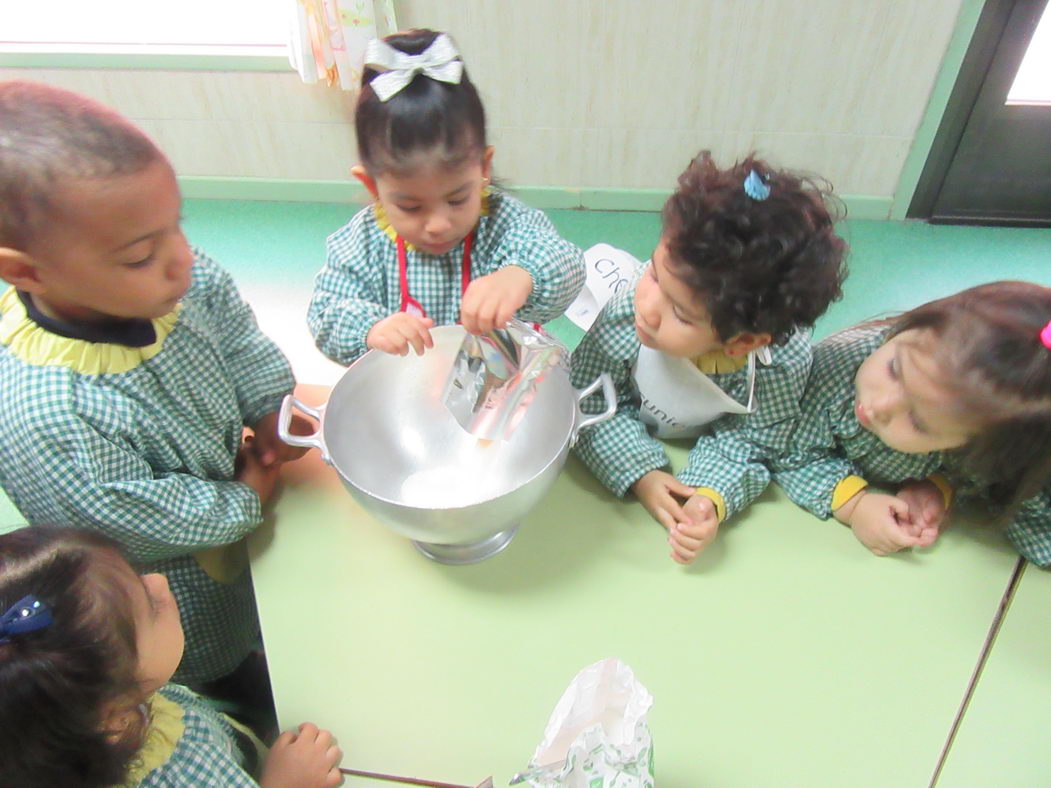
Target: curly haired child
{"x": 711, "y": 343}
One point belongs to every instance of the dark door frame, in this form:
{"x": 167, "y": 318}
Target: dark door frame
{"x": 988, "y": 33}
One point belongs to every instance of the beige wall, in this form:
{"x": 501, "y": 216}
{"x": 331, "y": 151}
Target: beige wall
{"x": 594, "y": 93}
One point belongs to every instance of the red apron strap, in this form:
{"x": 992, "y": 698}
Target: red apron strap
{"x": 410, "y": 304}
{"x": 465, "y": 269}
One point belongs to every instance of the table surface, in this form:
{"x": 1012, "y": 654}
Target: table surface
{"x": 786, "y": 655}
{"x": 1003, "y": 736}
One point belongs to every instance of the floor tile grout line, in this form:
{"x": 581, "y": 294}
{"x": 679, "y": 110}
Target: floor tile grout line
{"x": 976, "y": 674}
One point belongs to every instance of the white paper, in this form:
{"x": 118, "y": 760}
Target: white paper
{"x": 608, "y": 271}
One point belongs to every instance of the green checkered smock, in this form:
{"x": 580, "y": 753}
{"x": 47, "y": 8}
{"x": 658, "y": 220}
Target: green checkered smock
{"x": 359, "y": 284}
{"x": 1028, "y": 526}
{"x": 210, "y": 752}
{"x": 728, "y": 457}
{"x": 828, "y": 443}
{"x": 147, "y": 455}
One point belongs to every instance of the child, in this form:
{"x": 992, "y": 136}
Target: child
{"x": 439, "y": 244}
{"x": 964, "y": 383}
{"x": 130, "y": 365}
{"x": 86, "y": 651}
{"x": 709, "y": 342}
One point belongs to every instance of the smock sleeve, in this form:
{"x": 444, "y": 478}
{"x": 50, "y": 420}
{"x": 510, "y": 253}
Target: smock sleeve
{"x": 95, "y": 478}
{"x": 730, "y": 459}
{"x": 348, "y": 293}
{"x": 1030, "y": 529}
{"x": 257, "y": 368}
{"x": 525, "y": 237}
{"x": 618, "y": 451}
{"x": 729, "y": 465}
{"x": 810, "y": 479}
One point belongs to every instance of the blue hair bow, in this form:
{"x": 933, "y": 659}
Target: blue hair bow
{"x": 755, "y": 187}
{"x": 28, "y": 614}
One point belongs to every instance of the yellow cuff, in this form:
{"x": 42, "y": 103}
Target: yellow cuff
{"x": 847, "y": 489}
{"x": 714, "y": 497}
{"x": 944, "y": 488}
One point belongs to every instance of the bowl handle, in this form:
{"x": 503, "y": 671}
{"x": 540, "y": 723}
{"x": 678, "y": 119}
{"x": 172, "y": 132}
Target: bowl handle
{"x": 284, "y": 419}
{"x": 608, "y": 393}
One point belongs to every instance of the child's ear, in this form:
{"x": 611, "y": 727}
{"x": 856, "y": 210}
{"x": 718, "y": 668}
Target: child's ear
{"x": 122, "y": 719}
{"x": 20, "y": 269}
{"x": 487, "y": 162}
{"x": 359, "y": 172}
{"x": 745, "y": 342}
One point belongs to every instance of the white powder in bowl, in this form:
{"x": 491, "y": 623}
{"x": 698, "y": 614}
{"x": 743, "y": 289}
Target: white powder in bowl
{"x": 444, "y": 487}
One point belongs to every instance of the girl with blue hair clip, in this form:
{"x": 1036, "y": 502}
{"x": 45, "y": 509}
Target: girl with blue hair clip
{"x": 87, "y": 648}
{"x": 711, "y": 343}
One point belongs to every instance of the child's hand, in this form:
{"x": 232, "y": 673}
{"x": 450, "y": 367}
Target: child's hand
{"x": 491, "y": 300}
{"x": 660, "y": 492}
{"x": 251, "y": 471}
{"x": 269, "y": 448}
{"x": 307, "y": 759}
{"x": 879, "y": 521}
{"x": 662, "y": 495}
{"x": 394, "y": 333}
{"x": 688, "y": 539}
{"x": 926, "y": 509}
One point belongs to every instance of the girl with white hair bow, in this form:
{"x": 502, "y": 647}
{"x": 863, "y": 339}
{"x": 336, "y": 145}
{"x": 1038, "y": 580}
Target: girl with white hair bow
{"x": 439, "y": 244}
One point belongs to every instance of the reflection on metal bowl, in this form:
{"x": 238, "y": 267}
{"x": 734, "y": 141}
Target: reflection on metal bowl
{"x": 399, "y": 451}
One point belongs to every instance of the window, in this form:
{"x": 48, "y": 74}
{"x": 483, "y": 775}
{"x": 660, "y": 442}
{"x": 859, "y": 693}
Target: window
{"x": 1032, "y": 84}
{"x": 222, "y": 27}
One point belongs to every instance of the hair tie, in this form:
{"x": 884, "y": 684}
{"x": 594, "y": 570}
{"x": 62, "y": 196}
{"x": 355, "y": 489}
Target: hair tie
{"x": 1045, "y": 335}
{"x": 397, "y": 69}
{"x": 28, "y": 614}
{"x": 755, "y": 187}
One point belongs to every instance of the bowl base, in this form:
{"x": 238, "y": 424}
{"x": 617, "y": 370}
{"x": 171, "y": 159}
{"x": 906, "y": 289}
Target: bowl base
{"x": 459, "y": 554}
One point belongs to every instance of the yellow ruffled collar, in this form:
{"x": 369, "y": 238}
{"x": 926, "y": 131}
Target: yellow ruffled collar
{"x": 718, "y": 363}
{"x": 36, "y": 345}
{"x": 162, "y": 737}
{"x": 384, "y": 223}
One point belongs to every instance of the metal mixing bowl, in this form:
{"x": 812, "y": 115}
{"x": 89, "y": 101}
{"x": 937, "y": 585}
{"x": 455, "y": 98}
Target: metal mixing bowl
{"x": 402, "y": 455}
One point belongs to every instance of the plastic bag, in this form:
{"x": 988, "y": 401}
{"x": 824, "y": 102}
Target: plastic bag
{"x": 597, "y": 736}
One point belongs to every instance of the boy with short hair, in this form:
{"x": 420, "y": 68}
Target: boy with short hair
{"x": 130, "y": 366}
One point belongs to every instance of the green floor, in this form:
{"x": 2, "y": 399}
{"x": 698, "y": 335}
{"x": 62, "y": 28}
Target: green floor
{"x": 893, "y": 265}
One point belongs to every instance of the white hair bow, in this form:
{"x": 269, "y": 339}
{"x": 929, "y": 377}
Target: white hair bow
{"x": 439, "y": 61}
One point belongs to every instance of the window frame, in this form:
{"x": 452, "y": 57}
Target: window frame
{"x": 157, "y": 57}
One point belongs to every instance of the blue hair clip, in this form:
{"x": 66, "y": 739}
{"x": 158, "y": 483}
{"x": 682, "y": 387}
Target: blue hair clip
{"x": 28, "y": 614}
{"x": 755, "y": 188}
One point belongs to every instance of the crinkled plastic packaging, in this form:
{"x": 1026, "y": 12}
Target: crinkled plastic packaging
{"x": 597, "y": 736}
{"x": 494, "y": 378}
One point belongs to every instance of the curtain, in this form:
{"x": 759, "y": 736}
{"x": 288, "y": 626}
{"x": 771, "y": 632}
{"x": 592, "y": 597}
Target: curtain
{"x": 328, "y": 37}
